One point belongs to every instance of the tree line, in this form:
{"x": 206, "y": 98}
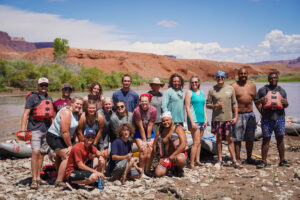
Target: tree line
{"x": 24, "y": 76}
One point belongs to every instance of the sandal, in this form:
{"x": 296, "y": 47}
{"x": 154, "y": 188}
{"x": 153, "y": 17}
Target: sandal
{"x": 60, "y": 184}
{"x": 198, "y": 164}
{"x": 42, "y": 182}
{"x": 34, "y": 185}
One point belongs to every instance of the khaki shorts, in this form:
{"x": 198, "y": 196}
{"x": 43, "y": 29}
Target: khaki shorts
{"x": 38, "y": 142}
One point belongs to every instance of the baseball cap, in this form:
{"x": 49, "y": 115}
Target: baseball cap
{"x": 43, "y": 80}
{"x": 89, "y": 131}
{"x": 67, "y": 85}
{"x": 220, "y": 73}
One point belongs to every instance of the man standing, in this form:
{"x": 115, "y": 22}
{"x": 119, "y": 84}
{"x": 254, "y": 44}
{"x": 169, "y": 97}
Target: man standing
{"x": 65, "y": 99}
{"x": 173, "y": 99}
{"x": 245, "y": 126}
{"x": 172, "y": 146}
{"x": 126, "y": 94}
{"x": 272, "y": 100}
{"x": 37, "y": 116}
{"x": 221, "y": 98}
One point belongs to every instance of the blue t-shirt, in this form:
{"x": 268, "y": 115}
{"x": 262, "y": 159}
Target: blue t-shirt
{"x": 120, "y": 148}
{"x": 131, "y": 99}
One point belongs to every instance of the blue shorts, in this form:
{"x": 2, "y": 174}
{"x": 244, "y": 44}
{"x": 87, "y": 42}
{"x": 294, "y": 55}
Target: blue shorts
{"x": 200, "y": 125}
{"x": 268, "y": 126}
{"x": 244, "y": 129}
{"x": 138, "y": 134}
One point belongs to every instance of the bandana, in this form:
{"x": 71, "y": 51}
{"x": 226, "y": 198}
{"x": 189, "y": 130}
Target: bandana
{"x": 166, "y": 114}
{"x": 220, "y": 73}
{"x": 146, "y": 95}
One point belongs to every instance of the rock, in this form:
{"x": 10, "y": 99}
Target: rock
{"x": 264, "y": 189}
{"x": 262, "y": 173}
{"x": 26, "y": 165}
{"x": 226, "y": 198}
{"x": 83, "y": 193}
{"x": 204, "y": 185}
{"x": 231, "y": 182}
{"x": 297, "y": 173}
{"x": 95, "y": 193}
{"x": 3, "y": 180}
{"x": 149, "y": 196}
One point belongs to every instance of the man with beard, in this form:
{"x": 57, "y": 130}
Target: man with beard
{"x": 244, "y": 129}
{"x": 272, "y": 100}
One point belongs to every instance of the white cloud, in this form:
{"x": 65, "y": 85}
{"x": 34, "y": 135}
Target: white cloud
{"x": 43, "y": 27}
{"x": 167, "y": 24}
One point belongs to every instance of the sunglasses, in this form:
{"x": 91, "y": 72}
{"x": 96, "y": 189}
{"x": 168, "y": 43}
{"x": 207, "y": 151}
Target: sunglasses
{"x": 122, "y": 106}
{"x": 67, "y": 89}
{"x": 43, "y": 85}
{"x": 90, "y": 137}
{"x": 194, "y": 82}
{"x": 222, "y": 77}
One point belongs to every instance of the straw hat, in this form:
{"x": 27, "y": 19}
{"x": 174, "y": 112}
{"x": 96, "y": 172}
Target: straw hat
{"x": 157, "y": 81}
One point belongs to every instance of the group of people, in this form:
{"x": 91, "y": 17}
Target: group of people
{"x": 93, "y": 137}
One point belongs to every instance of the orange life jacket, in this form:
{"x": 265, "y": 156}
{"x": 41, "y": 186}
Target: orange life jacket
{"x": 273, "y": 100}
{"x": 44, "y": 110}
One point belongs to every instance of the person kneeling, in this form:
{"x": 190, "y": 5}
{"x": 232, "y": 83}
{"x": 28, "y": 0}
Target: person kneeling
{"x": 172, "y": 147}
{"x": 122, "y": 165}
{"x": 81, "y": 170}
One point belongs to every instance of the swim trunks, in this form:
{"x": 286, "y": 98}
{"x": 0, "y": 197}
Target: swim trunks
{"x": 169, "y": 164}
{"x": 268, "y": 126}
{"x": 222, "y": 128}
{"x": 244, "y": 129}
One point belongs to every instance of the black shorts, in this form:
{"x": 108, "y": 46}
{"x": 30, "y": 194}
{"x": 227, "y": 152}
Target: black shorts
{"x": 79, "y": 175}
{"x": 55, "y": 142}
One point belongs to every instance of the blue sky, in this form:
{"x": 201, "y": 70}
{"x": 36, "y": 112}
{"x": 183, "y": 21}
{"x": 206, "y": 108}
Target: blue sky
{"x": 223, "y": 30}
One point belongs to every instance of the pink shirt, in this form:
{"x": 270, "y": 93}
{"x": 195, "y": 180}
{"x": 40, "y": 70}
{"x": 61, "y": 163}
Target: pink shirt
{"x": 145, "y": 115}
{"x": 60, "y": 103}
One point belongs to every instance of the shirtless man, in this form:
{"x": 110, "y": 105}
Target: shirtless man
{"x": 173, "y": 155}
{"x": 244, "y": 129}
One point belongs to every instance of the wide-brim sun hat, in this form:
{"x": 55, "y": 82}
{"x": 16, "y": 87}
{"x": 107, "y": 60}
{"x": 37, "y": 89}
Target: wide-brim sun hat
{"x": 156, "y": 80}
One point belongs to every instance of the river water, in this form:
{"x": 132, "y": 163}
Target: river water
{"x": 12, "y": 107}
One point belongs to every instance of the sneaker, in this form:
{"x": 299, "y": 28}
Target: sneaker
{"x": 284, "y": 163}
{"x": 261, "y": 165}
{"x": 250, "y": 161}
{"x": 59, "y": 184}
{"x": 236, "y": 165}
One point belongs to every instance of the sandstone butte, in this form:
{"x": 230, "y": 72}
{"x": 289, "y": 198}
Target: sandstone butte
{"x": 145, "y": 64}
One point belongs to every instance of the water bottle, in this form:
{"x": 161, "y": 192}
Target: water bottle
{"x": 100, "y": 183}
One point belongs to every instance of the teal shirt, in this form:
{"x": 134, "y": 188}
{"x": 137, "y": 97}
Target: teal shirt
{"x": 173, "y": 101}
{"x": 197, "y": 107}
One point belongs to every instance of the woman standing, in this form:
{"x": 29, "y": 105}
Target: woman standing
{"x": 90, "y": 119}
{"x": 121, "y": 116}
{"x": 61, "y": 134}
{"x": 95, "y": 93}
{"x": 196, "y": 117}
{"x": 156, "y": 100}
{"x": 144, "y": 117}
{"x": 106, "y": 111}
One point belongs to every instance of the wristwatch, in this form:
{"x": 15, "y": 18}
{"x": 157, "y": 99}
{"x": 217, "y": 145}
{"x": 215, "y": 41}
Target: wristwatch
{"x": 148, "y": 139}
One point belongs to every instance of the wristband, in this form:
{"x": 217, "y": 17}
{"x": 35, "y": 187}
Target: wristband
{"x": 148, "y": 139}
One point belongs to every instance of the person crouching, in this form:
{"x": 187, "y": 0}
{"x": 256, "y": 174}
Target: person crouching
{"x": 172, "y": 146}
{"x": 122, "y": 165}
{"x": 81, "y": 170}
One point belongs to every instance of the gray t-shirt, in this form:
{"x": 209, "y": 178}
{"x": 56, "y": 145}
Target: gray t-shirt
{"x": 156, "y": 102}
{"x": 34, "y": 100}
{"x": 106, "y": 133}
{"x": 117, "y": 120}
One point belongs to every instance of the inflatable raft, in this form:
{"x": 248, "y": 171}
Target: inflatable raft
{"x": 15, "y": 148}
{"x": 292, "y": 126}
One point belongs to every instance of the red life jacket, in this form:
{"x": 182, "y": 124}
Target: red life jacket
{"x": 273, "y": 100}
{"x": 44, "y": 110}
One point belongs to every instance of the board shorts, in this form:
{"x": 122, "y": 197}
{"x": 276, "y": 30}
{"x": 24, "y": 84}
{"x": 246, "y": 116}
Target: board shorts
{"x": 169, "y": 164}
{"x": 268, "y": 126}
{"x": 244, "y": 129}
{"x": 200, "y": 125}
{"x": 38, "y": 142}
{"x": 222, "y": 128}
{"x": 120, "y": 167}
{"x": 79, "y": 175}
{"x": 55, "y": 142}
{"x": 137, "y": 134}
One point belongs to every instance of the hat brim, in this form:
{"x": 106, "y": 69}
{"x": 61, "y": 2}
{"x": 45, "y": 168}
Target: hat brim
{"x": 161, "y": 84}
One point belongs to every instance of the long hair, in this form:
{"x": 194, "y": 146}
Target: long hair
{"x": 194, "y": 76}
{"x": 171, "y": 80}
{"x": 90, "y": 102}
{"x": 120, "y": 129}
{"x": 91, "y": 89}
